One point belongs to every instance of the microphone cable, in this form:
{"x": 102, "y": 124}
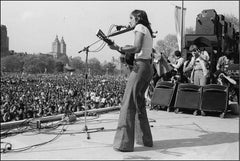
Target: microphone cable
{"x": 104, "y": 43}
{"x": 35, "y": 145}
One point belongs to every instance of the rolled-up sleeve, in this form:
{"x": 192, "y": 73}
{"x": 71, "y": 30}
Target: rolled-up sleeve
{"x": 140, "y": 28}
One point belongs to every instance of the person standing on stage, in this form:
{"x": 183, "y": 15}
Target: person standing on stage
{"x": 187, "y": 69}
{"x": 133, "y": 121}
{"x": 178, "y": 66}
{"x": 199, "y": 63}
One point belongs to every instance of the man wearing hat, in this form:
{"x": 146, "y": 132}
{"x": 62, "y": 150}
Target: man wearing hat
{"x": 199, "y": 63}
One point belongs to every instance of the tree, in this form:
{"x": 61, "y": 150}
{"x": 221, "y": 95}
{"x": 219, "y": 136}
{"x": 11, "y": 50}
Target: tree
{"x": 235, "y": 21}
{"x": 59, "y": 66}
{"x": 109, "y": 67}
{"x": 34, "y": 65}
{"x": 95, "y": 66}
{"x": 50, "y": 65}
{"x": 171, "y": 41}
{"x": 48, "y": 62}
{"x": 190, "y": 30}
{"x": 76, "y": 63}
{"x": 39, "y": 63}
{"x": 168, "y": 45}
{"x": 11, "y": 63}
{"x": 63, "y": 59}
{"x": 161, "y": 46}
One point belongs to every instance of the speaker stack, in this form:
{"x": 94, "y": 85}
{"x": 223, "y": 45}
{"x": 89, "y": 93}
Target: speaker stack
{"x": 163, "y": 95}
{"x": 188, "y": 97}
{"x": 214, "y": 99}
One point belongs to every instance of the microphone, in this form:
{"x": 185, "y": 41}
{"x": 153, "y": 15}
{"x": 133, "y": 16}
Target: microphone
{"x": 80, "y": 51}
{"x": 128, "y": 28}
{"x": 84, "y": 49}
{"x": 119, "y": 27}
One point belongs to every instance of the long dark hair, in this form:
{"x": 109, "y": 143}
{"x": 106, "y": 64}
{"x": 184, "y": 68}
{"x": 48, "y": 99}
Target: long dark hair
{"x": 142, "y": 18}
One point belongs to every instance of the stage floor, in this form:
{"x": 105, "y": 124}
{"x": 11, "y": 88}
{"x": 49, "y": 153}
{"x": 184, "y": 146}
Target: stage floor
{"x": 176, "y": 137}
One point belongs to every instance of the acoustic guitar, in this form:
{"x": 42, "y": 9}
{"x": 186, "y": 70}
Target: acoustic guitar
{"x": 125, "y": 58}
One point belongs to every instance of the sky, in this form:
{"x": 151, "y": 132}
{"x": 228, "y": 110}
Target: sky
{"x": 33, "y": 25}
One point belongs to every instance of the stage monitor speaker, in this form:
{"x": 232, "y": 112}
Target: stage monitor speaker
{"x": 188, "y": 97}
{"x": 163, "y": 94}
{"x": 214, "y": 99}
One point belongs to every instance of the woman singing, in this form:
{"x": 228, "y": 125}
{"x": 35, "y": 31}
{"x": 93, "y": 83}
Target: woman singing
{"x": 133, "y": 120}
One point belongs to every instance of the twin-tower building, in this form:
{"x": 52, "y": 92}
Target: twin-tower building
{"x": 58, "y": 47}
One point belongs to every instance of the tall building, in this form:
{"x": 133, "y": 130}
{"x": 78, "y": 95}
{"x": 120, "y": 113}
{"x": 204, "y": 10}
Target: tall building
{"x": 56, "y": 48}
{"x": 63, "y": 47}
{"x": 4, "y": 40}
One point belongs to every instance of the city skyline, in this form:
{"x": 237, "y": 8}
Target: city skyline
{"x": 33, "y": 25}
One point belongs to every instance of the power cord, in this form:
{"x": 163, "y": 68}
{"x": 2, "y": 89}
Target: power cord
{"x": 8, "y": 146}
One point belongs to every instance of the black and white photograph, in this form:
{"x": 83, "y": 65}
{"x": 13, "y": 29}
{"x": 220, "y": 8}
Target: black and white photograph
{"x": 120, "y": 80}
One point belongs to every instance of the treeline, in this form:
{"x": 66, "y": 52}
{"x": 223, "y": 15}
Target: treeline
{"x": 43, "y": 63}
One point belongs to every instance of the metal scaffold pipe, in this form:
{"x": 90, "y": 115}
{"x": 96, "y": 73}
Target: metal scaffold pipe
{"x": 15, "y": 124}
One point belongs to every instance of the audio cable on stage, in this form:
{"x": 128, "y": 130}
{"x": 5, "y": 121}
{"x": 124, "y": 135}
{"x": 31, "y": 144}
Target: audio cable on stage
{"x": 8, "y": 146}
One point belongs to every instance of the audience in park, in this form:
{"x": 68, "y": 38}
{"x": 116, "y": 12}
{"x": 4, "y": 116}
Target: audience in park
{"x": 26, "y": 96}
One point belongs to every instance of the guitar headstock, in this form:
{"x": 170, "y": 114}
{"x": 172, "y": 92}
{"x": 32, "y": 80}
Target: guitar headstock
{"x": 103, "y": 37}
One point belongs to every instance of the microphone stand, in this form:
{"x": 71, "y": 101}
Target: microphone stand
{"x": 86, "y": 49}
{"x": 86, "y": 129}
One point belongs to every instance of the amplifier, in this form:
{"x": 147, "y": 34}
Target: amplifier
{"x": 214, "y": 99}
{"x": 188, "y": 97}
{"x": 163, "y": 94}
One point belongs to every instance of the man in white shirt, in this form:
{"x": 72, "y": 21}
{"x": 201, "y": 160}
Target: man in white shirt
{"x": 179, "y": 61}
{"x": 199, "y": 63}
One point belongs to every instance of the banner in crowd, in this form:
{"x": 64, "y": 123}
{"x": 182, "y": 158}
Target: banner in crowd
{"x": 178, "y": 24}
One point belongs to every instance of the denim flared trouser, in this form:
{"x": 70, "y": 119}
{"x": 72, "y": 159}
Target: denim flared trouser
{"x": 133, "y": 120}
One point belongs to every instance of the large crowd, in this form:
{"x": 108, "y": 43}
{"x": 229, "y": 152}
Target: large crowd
{"x": 26, "y": 96}
{"x": 30, "y": 96}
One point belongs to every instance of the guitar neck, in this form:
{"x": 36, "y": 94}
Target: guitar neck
{"x": 121, "y": 32}
{"x": 103, "y": 37}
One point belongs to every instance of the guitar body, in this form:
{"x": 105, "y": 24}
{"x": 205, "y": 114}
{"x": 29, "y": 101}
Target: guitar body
{"x": 128, "y": 58}
{"x": 125, "y": 58}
